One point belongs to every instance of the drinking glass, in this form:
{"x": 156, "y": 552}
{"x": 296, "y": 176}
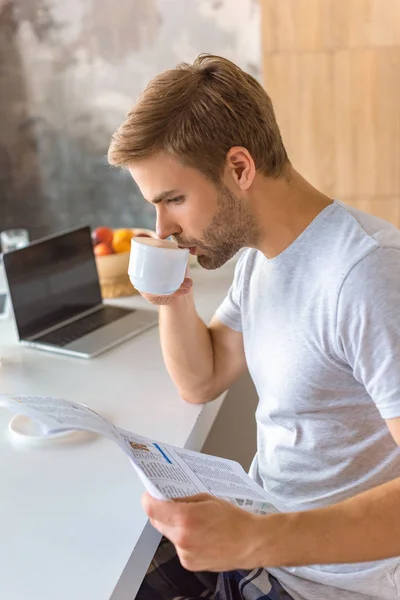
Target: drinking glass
{"x": 12, "y": 239}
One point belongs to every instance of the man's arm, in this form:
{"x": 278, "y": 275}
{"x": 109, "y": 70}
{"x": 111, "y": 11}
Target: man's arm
{"x": 202, "y": 361}
{"x": 394, "y": 428}
{"x": 365, "y": 527}
{"x": 211, "y": 534}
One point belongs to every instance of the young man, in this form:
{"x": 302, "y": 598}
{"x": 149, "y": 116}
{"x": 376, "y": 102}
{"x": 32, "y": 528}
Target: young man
{"x": 313, "y": 313}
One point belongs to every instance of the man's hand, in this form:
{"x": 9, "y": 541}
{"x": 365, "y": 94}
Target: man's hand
{"x": 213, "y": 535}
{"x": 185, "y": 289}
{"x": 209, "y": 534}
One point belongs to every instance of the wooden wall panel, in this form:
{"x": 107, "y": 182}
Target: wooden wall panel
{"x": 304, "y": 112}
{"x": 300, "y": 25}
{"x": 384, "y": 207}
{"x": 363, "y": 23}
{"x": 332, "y": 69}
{"x": 366, "y": 121}
{"x": 304, "y": 25}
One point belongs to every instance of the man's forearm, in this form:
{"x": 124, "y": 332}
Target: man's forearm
{"x": 187, "y": 349}
{"x": 363, "y": 528}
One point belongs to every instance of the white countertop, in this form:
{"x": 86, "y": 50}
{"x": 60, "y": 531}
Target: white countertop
{"x": 70, "y": 513}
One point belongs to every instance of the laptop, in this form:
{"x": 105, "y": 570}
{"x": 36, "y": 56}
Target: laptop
{"x": 56, "y": 299}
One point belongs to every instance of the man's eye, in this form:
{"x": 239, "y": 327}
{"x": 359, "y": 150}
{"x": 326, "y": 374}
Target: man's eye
{"x": 176, "y": 200}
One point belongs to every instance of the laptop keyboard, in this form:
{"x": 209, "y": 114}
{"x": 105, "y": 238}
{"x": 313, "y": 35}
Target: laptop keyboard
{"x": 69, "y": 333}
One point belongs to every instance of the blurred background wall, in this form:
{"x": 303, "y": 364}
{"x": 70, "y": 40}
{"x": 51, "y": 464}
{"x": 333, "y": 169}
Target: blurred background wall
{"x": 332, "y": 68}
{"x": 69, "y": 72}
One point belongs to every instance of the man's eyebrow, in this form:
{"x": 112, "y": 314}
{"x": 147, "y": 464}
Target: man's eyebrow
{"x": 160, "y": 197}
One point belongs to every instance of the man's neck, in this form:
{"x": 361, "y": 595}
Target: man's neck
{"x": 284, "y": 208}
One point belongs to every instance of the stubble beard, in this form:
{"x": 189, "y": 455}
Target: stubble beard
{"x": 233, "y": 227}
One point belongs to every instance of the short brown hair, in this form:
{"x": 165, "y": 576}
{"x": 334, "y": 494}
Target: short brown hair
{"x": 196, "y": 113}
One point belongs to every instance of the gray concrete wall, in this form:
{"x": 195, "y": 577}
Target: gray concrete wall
{"x": 69, "y": 72}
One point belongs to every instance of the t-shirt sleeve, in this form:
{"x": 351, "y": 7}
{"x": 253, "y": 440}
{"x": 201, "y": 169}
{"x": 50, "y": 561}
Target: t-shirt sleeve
{"x": 368, "y": 326}
{"x": 229, "y": 312}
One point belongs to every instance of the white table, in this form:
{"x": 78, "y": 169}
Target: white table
{"x": 71, "y": 522}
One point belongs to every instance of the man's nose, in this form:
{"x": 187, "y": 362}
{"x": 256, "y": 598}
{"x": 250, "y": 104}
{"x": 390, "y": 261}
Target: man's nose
{"x": 164, "y": 227}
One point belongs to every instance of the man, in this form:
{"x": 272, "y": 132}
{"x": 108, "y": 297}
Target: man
{"x": 313, "y": 312}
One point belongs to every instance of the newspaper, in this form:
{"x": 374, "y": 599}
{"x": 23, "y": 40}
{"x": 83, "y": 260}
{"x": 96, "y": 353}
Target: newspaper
{"x": 167, "y": 472}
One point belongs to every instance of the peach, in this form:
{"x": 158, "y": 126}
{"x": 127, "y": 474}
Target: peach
{"x": 103, "y": 235}
{"x": 102, "y": 249}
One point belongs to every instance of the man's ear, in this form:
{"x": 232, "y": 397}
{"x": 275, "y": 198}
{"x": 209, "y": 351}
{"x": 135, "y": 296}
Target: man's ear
{"x": 240, "y": 166}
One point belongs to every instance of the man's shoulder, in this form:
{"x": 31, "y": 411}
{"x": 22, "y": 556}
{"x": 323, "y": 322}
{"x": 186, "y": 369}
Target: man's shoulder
{"x": 355, "y": 240}
{"x": 378, "y": 268}
{"x": 376, "y": 231}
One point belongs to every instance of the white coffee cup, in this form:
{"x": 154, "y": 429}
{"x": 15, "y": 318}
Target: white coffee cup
{"x": 157, "y": 266}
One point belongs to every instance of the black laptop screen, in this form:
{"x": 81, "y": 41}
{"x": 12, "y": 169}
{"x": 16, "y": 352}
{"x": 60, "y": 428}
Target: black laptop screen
{"x": 52, "y": 280}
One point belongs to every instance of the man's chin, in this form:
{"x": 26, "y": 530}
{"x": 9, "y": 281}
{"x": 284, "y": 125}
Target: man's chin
{"x": 210, "y": 262}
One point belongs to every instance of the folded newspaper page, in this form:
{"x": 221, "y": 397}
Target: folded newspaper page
{"x": 167, "y": 472}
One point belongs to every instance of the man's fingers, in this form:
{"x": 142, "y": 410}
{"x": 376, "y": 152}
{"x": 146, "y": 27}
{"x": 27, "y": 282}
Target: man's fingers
{"x": 197, "y": 498}
{"x": 164, "y": 511}
{"x": 187, "y": 283}
{"x": 185, "y": 288}
{"x": 171, "y": 512}
{"x": 162, "y": 528}
{"x": 156, "y": 509}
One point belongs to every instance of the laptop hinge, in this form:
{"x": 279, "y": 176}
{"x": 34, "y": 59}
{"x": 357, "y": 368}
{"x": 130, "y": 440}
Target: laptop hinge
{"x": 90, "y": 311}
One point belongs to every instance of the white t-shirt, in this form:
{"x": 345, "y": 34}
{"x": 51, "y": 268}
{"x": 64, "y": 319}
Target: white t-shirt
{"x": 321, "y": 330}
